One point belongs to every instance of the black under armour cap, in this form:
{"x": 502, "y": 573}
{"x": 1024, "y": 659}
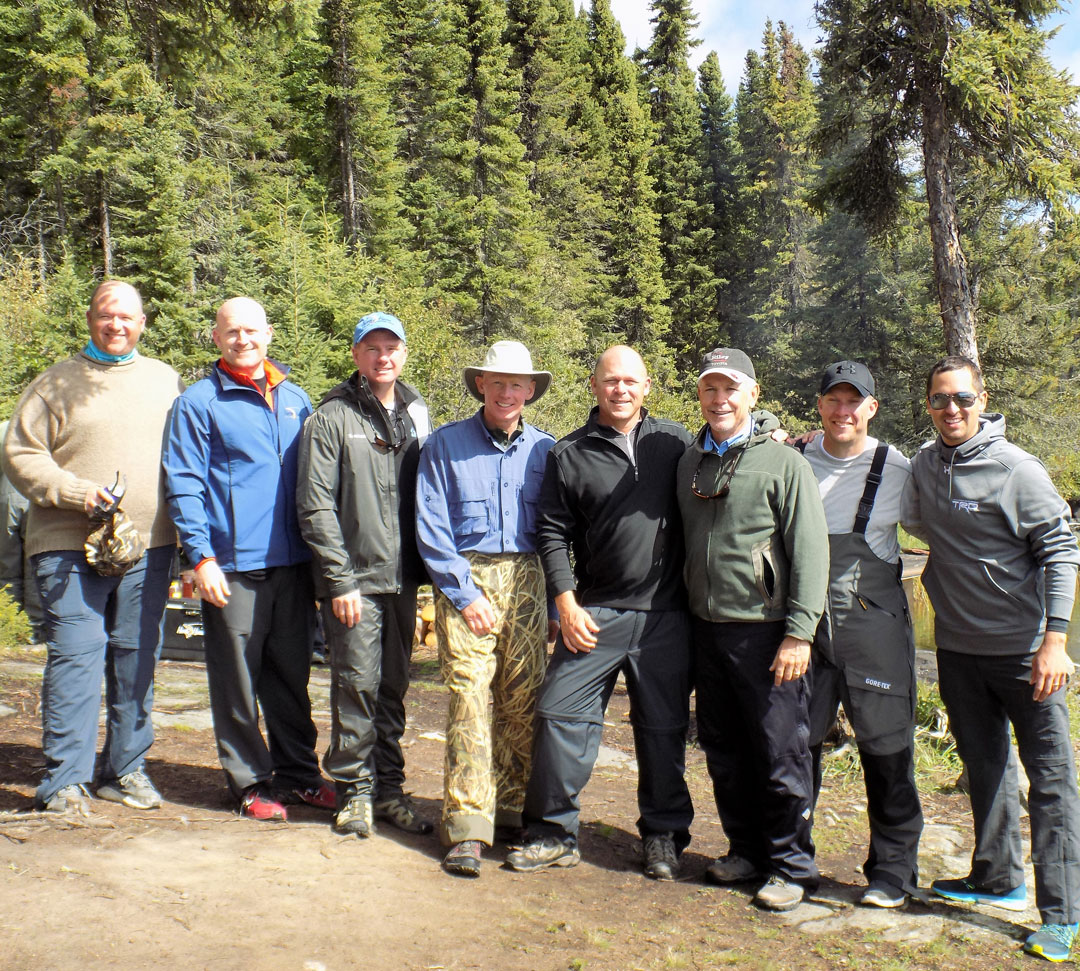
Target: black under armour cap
{"x": 848, "y": 372}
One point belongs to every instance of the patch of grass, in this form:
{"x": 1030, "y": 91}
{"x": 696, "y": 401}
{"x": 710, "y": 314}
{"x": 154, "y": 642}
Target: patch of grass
{"x": 576, "y": 964}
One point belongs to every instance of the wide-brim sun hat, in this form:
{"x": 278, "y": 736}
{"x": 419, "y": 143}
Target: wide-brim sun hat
{"x": 507, "y": 357}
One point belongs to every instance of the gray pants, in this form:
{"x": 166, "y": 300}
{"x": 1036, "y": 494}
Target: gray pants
{"x": 982, "y": 696}
{"x": 652, "y": 649}
{"x": 369, "y": 665}
{"x": 258, "y": 655}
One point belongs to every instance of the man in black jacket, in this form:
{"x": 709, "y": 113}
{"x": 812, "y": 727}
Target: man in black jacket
{"x": 608, "y": 501}
{"x": 357, "y": 501}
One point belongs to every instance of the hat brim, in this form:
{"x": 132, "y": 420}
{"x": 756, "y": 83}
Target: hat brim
{"x": 857, "y": 385}
{"x": 729, "y": 372}
{"x": 542, "y": 379}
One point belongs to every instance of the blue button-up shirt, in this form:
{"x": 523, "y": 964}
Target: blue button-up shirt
{"x": 476, "y": 496}
{"x": 742, "y": 435}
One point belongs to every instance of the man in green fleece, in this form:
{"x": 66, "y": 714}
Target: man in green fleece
{"x": 757, "y": 568}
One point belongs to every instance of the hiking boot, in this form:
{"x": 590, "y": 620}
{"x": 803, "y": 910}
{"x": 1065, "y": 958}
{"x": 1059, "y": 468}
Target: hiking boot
{"x": 732, "y": 868}
{"x": 966, "y": 892}
{"x": 1052, "y": 942}
{"x": 321, "y": 796}
{"x": 355, "y": 818}
{"x": 464, "y": 858}
{"x": 257, "y": 805}
{"x": 661, "y": 857}
{"x": 134, "y": 790}
{"x": 399, "y": 811}
{"x": 779, "y": 894}
{"x": 543, "y": 853}
{"x": 883, "y": 894}
{"x": 74, "y": 799}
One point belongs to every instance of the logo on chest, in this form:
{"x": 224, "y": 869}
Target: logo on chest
{"x": 965, "y": 505}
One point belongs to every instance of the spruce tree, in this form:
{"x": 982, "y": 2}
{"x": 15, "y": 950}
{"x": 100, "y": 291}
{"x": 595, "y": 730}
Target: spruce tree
{"x": 681, "y": 191}
{"x": 957, "y": 79}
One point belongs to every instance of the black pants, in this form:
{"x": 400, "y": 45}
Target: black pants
{"x": 369, "y": 665}
{"x": 884, "y": 734}
{"x": 652, "y": 649}
{"x": 258, "y": 655}
{"x": 755, "y": 736}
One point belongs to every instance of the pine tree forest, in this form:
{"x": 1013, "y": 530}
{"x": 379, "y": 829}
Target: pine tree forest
{"x": 490, "y": 169}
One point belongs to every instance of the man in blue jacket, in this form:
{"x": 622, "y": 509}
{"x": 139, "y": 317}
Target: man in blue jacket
{"x": 1001, "y": 577}
{"x": 230, "y": 464}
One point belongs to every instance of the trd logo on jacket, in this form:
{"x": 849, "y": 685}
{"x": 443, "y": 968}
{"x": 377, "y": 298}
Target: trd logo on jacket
{"x": 965, "y": 505}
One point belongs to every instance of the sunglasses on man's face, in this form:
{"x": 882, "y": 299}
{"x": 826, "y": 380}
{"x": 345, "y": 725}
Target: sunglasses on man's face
{"x": 962, "y": 399}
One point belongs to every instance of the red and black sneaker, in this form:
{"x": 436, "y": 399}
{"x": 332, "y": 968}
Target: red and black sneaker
{"x": 322, "y": 796}
{"x": 257, "y": 805}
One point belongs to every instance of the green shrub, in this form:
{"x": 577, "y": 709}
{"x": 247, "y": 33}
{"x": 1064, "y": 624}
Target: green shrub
{"x": 14, "y": 624}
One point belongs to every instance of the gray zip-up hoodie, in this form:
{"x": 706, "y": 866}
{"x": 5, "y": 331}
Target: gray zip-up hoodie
{"x": 1002, "y": 556}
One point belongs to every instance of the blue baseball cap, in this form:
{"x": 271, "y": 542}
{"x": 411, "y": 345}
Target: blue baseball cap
{"x": 378, "y": 321}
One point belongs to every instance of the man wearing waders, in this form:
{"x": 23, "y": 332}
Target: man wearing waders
{"x": 864, "y": 652}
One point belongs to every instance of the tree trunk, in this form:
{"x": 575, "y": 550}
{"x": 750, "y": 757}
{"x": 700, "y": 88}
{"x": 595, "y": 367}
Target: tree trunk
{"x": 950, "y": 265}
{"x": 106, "y": 232}
{"x": 342, "y": 108}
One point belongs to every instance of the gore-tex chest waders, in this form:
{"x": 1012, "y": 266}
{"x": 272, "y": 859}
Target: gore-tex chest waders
{"x": 864, "y": 658}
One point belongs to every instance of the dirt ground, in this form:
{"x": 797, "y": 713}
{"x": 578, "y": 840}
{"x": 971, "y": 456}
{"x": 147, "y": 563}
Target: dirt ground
{"x": 193, "y": 886}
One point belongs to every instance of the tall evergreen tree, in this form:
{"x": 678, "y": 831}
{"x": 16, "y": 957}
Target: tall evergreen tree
{"x": 628, "y": 234}
{"x": 685, "y": 235}
{"x": 719, "y": 160}
{"x": 775, "y": 112}
{"x": 959, "y": 79}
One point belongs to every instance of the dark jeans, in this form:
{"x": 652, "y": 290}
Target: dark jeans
{"x": 96, "y": 625}
{"x": 755, "y": 736}
{"x": 982, "y": 696}
{"x": 258, "y": 655}
{"x": 652, "y": 649}
{"x": 369, "y": 665}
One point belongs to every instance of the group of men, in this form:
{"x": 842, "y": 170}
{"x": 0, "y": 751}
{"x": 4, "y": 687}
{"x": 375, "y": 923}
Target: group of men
{"x": 726, "y": 563}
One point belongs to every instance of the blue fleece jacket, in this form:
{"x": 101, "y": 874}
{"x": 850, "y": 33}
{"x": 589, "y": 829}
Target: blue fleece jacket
{"x": 230, "y": 472}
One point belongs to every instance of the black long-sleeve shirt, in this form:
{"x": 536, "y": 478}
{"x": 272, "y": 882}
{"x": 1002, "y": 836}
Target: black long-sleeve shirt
{"x": 608, "y": 525}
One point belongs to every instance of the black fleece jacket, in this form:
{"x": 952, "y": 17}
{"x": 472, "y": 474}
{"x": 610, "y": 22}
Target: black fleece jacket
{"x": 609, "y": 527}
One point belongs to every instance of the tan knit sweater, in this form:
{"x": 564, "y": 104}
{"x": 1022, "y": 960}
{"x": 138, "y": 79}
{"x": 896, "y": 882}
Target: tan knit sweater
{"x": 76, "y": 426}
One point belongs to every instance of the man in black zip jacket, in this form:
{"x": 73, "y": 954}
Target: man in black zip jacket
{"x": 356, "y": 500}
{"x": 611, "y": 543}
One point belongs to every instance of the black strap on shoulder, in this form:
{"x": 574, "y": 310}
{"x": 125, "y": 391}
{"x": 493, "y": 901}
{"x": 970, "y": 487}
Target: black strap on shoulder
{"x": 873, "y": 480}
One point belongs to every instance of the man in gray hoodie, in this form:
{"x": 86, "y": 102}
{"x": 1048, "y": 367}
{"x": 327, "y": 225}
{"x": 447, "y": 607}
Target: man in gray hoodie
{"x": 1001, "y": 577}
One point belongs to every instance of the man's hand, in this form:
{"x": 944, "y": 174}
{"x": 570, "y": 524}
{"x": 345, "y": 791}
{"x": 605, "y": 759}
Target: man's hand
{"x": 791, "y": 661}
{"x": 347, "y": 608}
{"x": 579, "y": 630}
{"x": 801, "y": 441}
{"x": 1051, "y": 667}
{"x": 97, "y": 496}
{"x": 211, "y": 584}
{"x": 480, "y": 616}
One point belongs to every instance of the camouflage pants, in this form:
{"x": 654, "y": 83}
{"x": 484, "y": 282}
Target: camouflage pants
{"x": 489, "y": 747}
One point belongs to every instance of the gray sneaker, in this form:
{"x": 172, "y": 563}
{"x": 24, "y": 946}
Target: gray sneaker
{"x": 134, "y": 790}
{"x": 355, "y": 818}
{"x": 69, "y": 799}
{"x": 779, "y": 894}
{"x": 400, "y": 812}
{"x": 543, "y": 853}
{"x": 660, "y": 856}
{"x": 732, "y": 868}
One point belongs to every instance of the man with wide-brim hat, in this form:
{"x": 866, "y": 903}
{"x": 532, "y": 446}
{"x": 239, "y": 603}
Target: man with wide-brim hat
{"x": 478, "y": 487}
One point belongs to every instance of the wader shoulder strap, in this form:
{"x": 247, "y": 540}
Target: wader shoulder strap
{"x": 873, "y": 480}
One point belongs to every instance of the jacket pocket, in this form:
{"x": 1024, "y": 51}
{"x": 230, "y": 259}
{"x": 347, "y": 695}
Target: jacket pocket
{"x": 766, "y": 573}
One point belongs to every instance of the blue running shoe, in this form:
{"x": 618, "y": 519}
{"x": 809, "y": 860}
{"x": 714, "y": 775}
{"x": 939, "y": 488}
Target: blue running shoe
{"x": 966, "y": 892}
{"x": 1052, "y": 942}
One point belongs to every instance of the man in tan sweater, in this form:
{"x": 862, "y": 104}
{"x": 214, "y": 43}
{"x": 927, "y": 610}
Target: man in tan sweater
{"x": 79, "y": 423}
